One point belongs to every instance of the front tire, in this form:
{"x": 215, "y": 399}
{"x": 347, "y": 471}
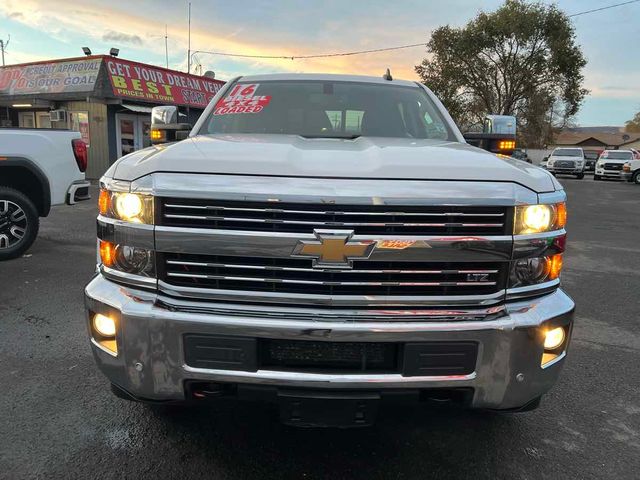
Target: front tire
{"x": 19, "y": 223}
{"x": 580, "y": 176}
{"x": 636, "y": 177}
{"x": 596, "y": 177}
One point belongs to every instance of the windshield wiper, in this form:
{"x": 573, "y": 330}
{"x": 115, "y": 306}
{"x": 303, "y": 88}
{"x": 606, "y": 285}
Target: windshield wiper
{"x": 341, "y": 137}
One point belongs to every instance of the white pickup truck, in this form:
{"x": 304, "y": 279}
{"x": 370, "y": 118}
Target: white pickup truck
{"x": 38, "y": 169}
{"x": 328, "y": 243}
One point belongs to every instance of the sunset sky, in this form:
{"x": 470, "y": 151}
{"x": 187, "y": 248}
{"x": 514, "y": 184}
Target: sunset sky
{"x": 49, "y": 29}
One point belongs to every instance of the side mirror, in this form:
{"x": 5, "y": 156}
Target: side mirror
{"x": 164, "y": 115}
{"x": 165, "y": 126}
{"x": 503, "y": 144}
{"x": 498, "y": 135}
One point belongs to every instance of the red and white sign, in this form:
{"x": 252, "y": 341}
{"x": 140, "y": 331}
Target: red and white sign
{"x": 159, "y": 85}
{"x": 77, "y": 75}
{"x": 242, "y": 99}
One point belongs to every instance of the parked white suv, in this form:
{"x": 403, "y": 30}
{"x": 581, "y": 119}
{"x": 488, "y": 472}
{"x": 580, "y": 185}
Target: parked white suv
{"x": 611, "y": 162}
{"x": 567, "y": 161}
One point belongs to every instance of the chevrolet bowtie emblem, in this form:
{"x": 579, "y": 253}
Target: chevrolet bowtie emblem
{"x": 333, "y": 249}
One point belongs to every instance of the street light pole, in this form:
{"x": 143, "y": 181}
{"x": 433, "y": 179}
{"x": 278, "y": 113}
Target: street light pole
{"x": 189, "y": 41}
{"x": 3, "y": 46}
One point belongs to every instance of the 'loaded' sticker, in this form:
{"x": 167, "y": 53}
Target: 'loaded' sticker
{"x": 242, "y": 99}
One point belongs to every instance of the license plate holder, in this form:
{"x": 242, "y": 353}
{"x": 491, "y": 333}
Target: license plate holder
{"x": 311, "y": 409}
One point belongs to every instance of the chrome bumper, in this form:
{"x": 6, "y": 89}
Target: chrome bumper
{"x": 609, "y": 173}
{"x": 150, "y": 362}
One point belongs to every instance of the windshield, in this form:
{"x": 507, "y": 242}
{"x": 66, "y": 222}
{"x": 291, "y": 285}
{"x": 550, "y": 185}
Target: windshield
{"x": 567, "y": 152}
{"x": 618, "y": 155}
{"x": 327, "y": 109}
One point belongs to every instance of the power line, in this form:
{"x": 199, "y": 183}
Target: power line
{"x": 603, "y": 8}
{"x": 322, "y": 55}
{"x": 375, "y": 50}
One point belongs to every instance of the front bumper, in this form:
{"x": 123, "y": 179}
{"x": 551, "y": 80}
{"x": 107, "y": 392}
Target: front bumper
{"x": 609, "y": 173}
{"x": 151, "y": 363}
{"x": 628, "y": 176}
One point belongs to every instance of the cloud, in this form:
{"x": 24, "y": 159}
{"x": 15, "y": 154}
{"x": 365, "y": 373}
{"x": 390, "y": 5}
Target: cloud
{"x": 61, "y": 19}
{"x": 120, "y": 37}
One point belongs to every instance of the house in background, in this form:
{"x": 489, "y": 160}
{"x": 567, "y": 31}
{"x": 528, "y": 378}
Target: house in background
{"x": 597, "y": 138}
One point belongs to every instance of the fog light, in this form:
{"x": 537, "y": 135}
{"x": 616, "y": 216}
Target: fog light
{"x": 554, "y": 338}
{"x": 103, "y": 325}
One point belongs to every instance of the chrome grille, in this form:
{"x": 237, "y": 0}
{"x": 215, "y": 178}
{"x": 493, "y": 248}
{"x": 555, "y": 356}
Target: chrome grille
{"x": 362, "y": 219}
{"x": 613, "y": 166}
{"x": 289, "y": 275}
{"x": 564, "y": 164}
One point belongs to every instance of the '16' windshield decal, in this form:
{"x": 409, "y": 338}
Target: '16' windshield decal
{"x": 242, "y": 99}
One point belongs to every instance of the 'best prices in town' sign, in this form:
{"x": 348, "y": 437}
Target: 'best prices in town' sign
{"x": 159, "y": 85}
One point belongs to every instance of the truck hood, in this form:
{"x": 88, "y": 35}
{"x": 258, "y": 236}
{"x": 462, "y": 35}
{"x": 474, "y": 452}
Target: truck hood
{"x": 364, "y": 157}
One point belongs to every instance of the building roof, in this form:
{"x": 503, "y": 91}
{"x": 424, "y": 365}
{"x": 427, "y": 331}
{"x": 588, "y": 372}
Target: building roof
{"x": 606, "y": 139}
{"x": 104, "y": 77}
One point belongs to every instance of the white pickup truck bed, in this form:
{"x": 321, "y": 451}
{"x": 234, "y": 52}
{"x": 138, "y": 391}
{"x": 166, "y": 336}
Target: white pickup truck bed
{"x": 38, "y": 168}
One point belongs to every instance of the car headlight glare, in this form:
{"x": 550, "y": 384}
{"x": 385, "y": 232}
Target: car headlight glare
{"x": 554, "y": 338}
{"x": 128, "y": 206}
{"x": 125, "y": 206}
{"x": 104, "y": 325}
{"x": 539, "y": 218}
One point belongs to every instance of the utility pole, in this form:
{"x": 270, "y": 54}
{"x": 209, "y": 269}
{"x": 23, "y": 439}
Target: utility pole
{"x": 166, "y": 45}
{"x": 189, "y": 42}
{"x": 3, "y": 46}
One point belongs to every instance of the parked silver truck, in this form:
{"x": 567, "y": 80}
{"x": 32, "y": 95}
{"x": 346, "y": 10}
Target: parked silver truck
{"x": 328, "y": 243}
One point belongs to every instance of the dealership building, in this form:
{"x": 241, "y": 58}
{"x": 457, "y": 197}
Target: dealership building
{"x": 105, "y": 98}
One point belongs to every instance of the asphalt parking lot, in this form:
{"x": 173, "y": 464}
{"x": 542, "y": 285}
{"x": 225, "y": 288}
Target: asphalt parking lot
{"x": 58, "y": 418}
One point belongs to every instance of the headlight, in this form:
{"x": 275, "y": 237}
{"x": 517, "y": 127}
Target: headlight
{"x": 129, "y": 207}
{"x": 126, "y": 259}
{"x": 539, "y": 218}
{"x": 532, "y": 271}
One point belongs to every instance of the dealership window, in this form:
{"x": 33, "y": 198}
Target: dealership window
{"x": 79, "y": 122}
{"x": 132, "y": 132}
{"x": 43, "y": 120}
{"x": 26, "y": 120}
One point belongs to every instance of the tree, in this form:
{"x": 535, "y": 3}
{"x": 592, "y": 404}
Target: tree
{"x": 633, "y": 125}
{"x": 520, "y": 60}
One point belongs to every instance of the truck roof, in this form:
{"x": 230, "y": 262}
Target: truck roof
{"x": 325, "y": 77}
